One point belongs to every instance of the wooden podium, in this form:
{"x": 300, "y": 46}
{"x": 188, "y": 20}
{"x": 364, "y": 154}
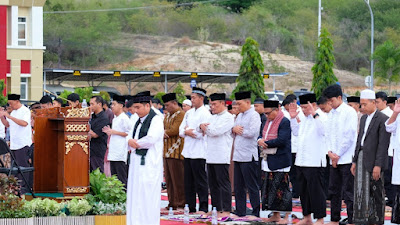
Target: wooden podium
{"x": 61, "y": 153}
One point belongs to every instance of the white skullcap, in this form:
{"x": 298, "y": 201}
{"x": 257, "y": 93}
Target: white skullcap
{"x": 187, "y": 102}
{"x": 367, "y": 94}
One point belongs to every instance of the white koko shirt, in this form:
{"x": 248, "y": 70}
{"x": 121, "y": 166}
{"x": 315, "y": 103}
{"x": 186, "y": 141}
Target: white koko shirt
{"x": 310, "y": 132}
{"x": 194, "y": 148}
{"x": 219, "y": 138}
{"x": 341, "y": 133}
{"x": 394, "y": 128}
{"x": 245, "y": 145}
{"x": 388, "y": 112}
{"x": 20, "y": 136}
{"x": 293, "y": 137}
{"x": 118, "y": 148}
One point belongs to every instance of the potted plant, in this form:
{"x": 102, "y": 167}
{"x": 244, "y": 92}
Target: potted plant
{"x": 12, "y": 210}
{"x": 77, "y": 209}
{"x": 108, "y": 197}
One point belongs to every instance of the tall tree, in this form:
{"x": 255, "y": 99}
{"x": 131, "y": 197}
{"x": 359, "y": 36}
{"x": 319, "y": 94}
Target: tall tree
{"x": 180, "y": 92}
{"x": 252, "y": 66}
{"x": 387, "y": 58}
{"x": 323, "y": 68}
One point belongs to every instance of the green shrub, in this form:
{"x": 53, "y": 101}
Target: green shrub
{"x": 44, "y": 207}
{"x": 105, "y": 189}
{"x": 101, "y": 208}
{"x": 78, "y": 207}
{"x": 11, "y": 206}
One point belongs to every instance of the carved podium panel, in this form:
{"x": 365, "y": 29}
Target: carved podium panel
{"x": 61, "y": 153}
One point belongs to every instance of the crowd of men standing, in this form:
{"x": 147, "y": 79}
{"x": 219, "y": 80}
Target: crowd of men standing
{"x": 270, "y": 152}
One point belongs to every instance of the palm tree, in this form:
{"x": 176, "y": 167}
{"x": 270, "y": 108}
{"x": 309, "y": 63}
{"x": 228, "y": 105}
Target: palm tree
{"x": 387, "y": 57}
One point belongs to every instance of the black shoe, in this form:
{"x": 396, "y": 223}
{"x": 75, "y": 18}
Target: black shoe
{"x": 344, "y": 221}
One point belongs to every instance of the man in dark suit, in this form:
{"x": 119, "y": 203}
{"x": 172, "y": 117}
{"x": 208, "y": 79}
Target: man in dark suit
{"x": 369, "y": 162}
{"x": 276, "y": 160}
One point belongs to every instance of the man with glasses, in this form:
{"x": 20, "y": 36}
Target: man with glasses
{"x": 275, "y": 143}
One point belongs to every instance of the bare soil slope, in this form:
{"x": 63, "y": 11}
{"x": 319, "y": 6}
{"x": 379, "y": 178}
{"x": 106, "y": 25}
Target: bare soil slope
{"x": 171, "y": 54}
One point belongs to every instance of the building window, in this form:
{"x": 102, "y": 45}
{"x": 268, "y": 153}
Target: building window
{"x": 22, "y": 31}
{"x": 24, "y": 88}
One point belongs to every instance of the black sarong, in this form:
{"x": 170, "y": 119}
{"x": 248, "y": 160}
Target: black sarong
{"x": 369, "y": 196}
{"x": 276, "y": 195}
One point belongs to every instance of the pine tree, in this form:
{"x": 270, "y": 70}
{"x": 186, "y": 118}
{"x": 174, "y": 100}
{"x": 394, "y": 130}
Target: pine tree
{"x": 252, "y": 66}
{"x": 180, "y": 92}
{"x": 323, "y": 68}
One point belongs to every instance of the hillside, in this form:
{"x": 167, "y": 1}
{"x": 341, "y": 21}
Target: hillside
{"x": 171, "y": 54}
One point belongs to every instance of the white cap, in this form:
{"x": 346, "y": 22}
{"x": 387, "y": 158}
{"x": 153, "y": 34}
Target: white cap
{"x": 367, "y": 94}
{"x": 187, "y": 102}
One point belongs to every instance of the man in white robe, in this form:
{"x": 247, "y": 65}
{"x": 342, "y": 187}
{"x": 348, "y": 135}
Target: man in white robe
{"x": 146, "y": 163}
{"x": 393, "y": 126}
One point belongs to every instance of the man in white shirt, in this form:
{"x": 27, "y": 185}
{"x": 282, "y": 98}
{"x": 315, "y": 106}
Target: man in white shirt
{"x": 117, "y": 147}
{"x": 369, "y": 162}
{"x": 186, "y": 105}
{"x": 310, "y": 158}
{"x": 19, "y": 123}
{"x": 324, "y": 107}
{"x": 194, "y": 151}
{"x": 391, "y": 101}
{"x": 354, "y": 102}
{"x": 381, "y": 104}
{"x": 147, "y": 93}
{"x": 219, "y": 146}
{"x": 245, "y": 155}
{"x": 341, "y": 133}
{"x": 393, "y": 126}
{"x": 291, "y": 98}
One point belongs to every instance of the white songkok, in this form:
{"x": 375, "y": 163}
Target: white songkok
{"x": 367, "y": 94}
{"x": 187, "y": 102}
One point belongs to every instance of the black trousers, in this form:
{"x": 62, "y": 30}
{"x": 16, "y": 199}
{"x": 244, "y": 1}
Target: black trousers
{"x": 389, "y": 189}
{"x": 325, "y": 178}
{"x": 245, "y": 176}
{"x": 312, "y": 192}
{"x": 341, "y": 179}
{"x": 120, "y": 169}
{"x": 293, "y": 178}
{"x": 220, "y": 186}
{"x": 195, "y": 179}
{"x": 22, "y": 159}
{"x": 96, "y": 162}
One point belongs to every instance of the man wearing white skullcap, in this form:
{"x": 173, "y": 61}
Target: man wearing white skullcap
{"x": 186, "y": 105}
{"x": 369, "y": 162}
